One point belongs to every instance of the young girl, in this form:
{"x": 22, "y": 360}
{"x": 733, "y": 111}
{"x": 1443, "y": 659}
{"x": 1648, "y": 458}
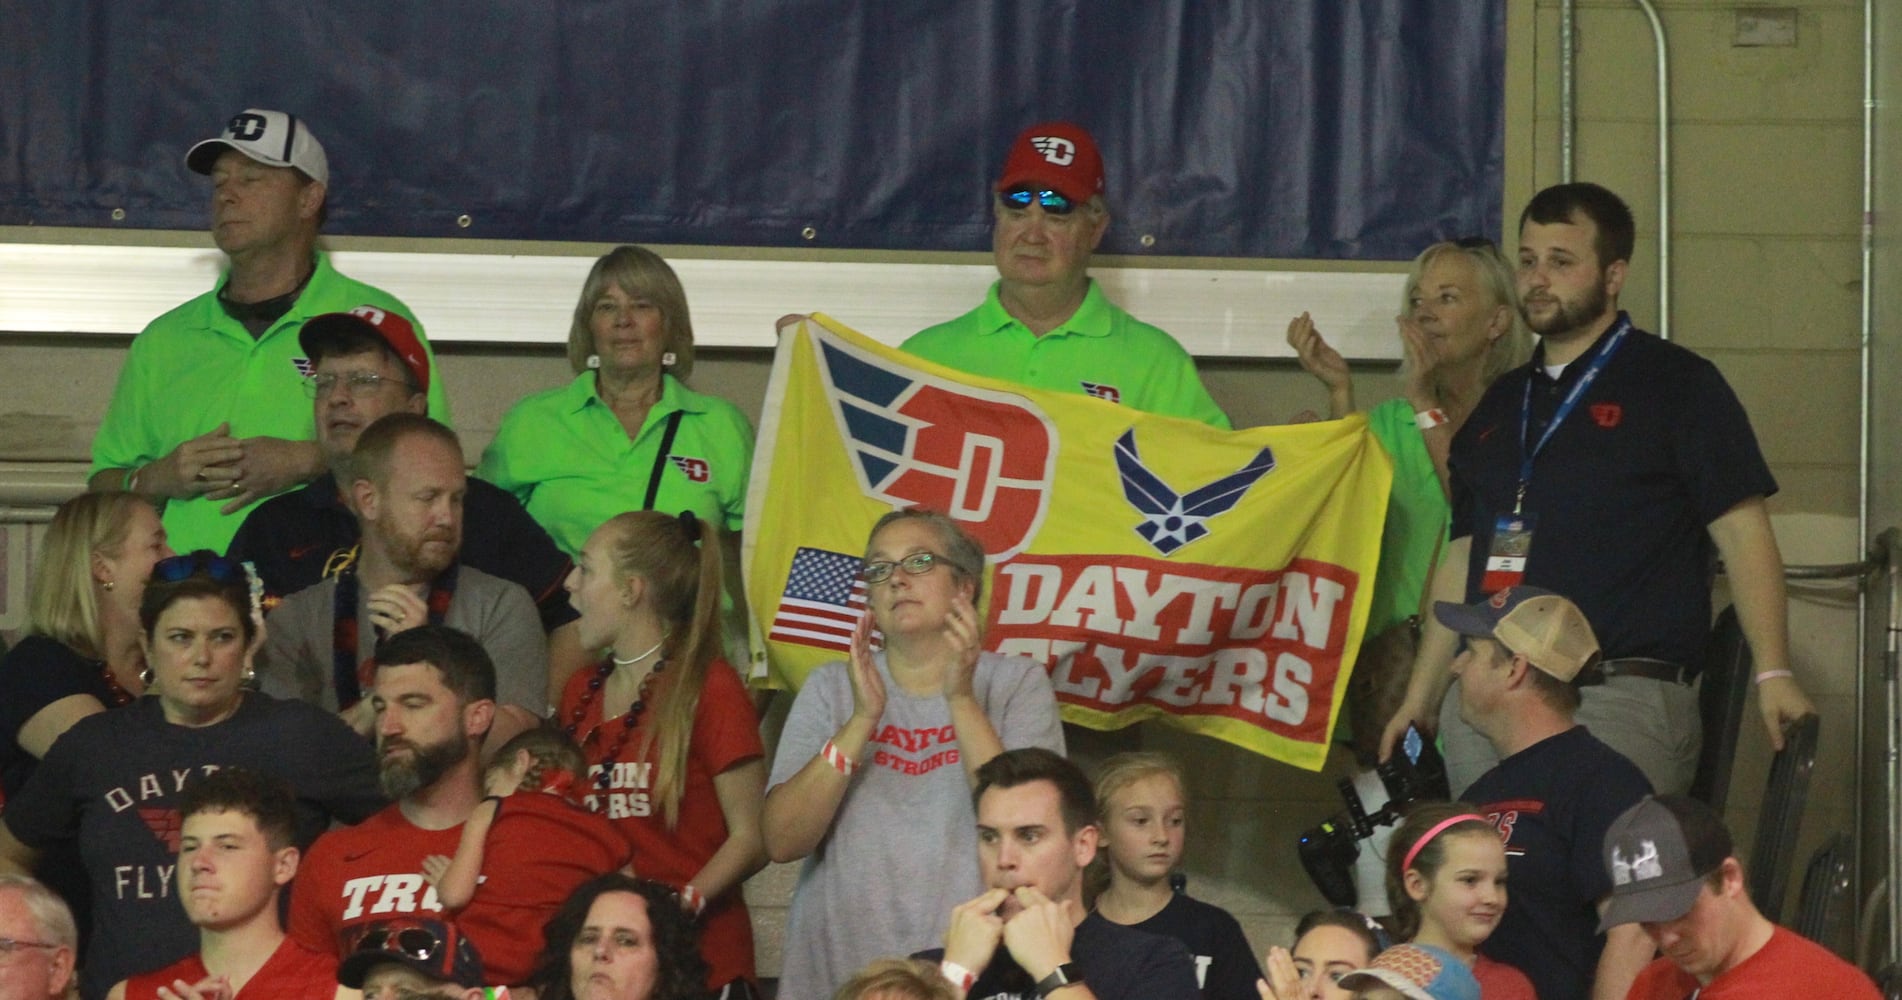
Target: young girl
{"x": 528, "y": 844}
{"x": 667, "y": 727}
{"x": 1141, "y": 804}
{"x": 1446, "y": 882}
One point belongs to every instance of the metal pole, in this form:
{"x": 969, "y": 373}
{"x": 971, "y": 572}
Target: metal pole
{"x": 1664, "y": 172}
{"x": 1568, "y": 80}
{"x": 1864, "y": 511}
{"x": 1892, "y": 777}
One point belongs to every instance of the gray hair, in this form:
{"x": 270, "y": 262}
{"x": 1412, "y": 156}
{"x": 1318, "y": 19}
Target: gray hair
{"x": 51, "y": 917}
{"x": 962, "y": 553}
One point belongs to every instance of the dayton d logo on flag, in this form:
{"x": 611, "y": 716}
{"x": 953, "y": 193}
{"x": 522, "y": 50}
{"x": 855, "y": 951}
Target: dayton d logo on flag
{"x": 985, "y": 458}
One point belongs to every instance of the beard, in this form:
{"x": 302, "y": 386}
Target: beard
{"x": 1570, "y": 314}
{"x": 400, "y": 777}
{"x": 416, "y": 557}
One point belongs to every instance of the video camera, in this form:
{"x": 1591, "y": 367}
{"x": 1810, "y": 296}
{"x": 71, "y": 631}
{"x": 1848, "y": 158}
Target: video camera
{"x": 1328, "y": 851}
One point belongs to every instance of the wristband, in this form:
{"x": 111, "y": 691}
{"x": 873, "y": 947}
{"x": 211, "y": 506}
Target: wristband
{"x": 1774, "y": 674}
{"x": 130, "y": 483}
{"x": 839, "y": 761}
{"x": 691, "y": 899}
{"x": 1428, "y": 419}
{"x": 959, "y": 976}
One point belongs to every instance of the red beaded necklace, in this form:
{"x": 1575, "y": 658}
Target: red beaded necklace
{"x": 114, "y": 690}
{"x": 628, "y": 721}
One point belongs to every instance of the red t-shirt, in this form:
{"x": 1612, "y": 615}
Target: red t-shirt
{"x": 293, "y": 972}
{"x": 358, "y": 874}
{"x": 1788, "y": 965}
{"x": 725, "y": 734}
{"x": 540, "y": 848}
{"x": 1499, "y": 981}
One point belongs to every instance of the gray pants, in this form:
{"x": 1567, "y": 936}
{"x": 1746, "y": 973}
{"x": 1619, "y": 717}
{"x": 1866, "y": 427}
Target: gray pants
{"x": 1654, "y": 724}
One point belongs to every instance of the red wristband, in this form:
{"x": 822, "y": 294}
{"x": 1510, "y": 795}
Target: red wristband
{"x": 959, "y": 976}
{"x": 1428, "y": 419}
{"x": 839, "y": 761}
{"x": 691, "y": 898}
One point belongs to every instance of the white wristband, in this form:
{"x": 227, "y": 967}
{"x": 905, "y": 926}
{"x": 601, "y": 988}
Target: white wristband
{"x": 1428, "y": 419}
{"x": 959, "y": 976}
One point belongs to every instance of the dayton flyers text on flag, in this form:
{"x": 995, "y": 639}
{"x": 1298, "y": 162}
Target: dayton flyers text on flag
{"x": 1218, "y": 581}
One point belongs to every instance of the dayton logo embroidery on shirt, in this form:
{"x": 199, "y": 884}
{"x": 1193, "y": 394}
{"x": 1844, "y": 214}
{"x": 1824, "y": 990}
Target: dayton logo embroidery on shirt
{"x": 1174, "y": 520}
{"x": 986, "y": 458}
{"x": 1102, "y": 390}
{"x": 1054, "y": 148}
{"x": 1641, "y": 865}
{"x": 1607, "y": 415}
{"x": 695, "y": 469}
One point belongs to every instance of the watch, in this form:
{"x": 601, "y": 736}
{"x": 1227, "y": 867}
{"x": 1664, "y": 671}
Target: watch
{"x": 1063, "y": 975}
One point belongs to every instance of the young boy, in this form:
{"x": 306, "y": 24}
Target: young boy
{"x": 235, "y": 856}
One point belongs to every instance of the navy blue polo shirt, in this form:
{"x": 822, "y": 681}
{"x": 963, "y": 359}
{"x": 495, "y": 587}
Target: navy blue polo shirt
{"x": 1623, "y": 494}
{"x": 296, "y": 539}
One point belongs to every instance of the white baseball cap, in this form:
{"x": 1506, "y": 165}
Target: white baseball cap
{"x": 273, "y": 138}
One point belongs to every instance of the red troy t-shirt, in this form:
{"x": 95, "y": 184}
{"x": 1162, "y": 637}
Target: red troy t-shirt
{"x": 373, "y": 871}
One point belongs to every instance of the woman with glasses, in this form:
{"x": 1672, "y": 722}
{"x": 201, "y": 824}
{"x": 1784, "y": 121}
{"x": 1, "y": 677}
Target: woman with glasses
{"x": 621, "y": 938}
{"x": 1459, "y": 328}
{"x": 872, "y": 782}
{"x": 111, "y": 784}
{"x": 666, "y": 725}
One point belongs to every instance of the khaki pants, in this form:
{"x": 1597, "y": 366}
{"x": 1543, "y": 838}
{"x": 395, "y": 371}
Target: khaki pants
{"x": 1654, "y": 724}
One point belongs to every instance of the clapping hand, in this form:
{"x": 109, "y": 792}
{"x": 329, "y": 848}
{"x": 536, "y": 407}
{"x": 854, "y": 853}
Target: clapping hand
{"x": 868, "y": 688}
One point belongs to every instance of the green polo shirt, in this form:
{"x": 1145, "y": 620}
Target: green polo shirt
{"x": 1100, "y": 351}
{"x": 567, "y": 457}
{"x": 195, "y": 367}
{"x": 1417, "y": 517}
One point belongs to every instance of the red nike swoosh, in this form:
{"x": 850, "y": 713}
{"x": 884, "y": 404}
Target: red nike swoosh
{"x": 300, "y": 551}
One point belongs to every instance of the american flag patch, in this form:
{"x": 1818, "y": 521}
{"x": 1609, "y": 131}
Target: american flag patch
{"x": 1102, "y": 390}
{"x": 823, "y": 602}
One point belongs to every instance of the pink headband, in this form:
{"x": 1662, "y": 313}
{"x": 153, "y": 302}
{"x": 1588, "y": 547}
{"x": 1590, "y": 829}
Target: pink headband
{"x": 1438, "y": 828}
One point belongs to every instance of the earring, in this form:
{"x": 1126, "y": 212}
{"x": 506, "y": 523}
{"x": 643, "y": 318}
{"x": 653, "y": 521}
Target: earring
{"x": 107, "y": 585}
{"x": 146, "y": 677}
{"x": 667, "y": 360}
{"x": 594, "y": 361}
{"x": 250, "y": 675}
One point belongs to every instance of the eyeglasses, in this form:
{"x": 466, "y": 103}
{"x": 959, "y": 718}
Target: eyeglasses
{"x": 359, "y": 384}
{"x": 8, "y": 945}
{"x": 203, "y": 561}
{"x": 1052, "y": 202}
{"x": 410, "y": 942}
{"x": 916, "y": 564}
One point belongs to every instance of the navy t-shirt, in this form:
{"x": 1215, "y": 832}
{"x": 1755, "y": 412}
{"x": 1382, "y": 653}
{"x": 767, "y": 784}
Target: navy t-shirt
{"x": 1225, "y": 966}
{"x": 1655, "y": 450}
{"x": 292, "y": 539}
{"x": 1553, "y": 802}
{"x": 1117, "y": 963}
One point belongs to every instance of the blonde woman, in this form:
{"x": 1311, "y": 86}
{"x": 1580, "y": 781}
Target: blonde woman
{"x": 667, "y": 727}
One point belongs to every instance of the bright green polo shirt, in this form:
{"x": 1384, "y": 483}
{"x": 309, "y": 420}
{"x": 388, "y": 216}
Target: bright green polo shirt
{"x": 1100, "y": 351}
{"x": 1417, "y": 517}
{"x": 567, "y": 457}
{"x": 195, "y": 367}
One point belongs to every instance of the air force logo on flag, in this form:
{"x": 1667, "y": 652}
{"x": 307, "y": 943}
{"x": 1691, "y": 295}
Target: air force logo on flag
{"x": 1173, "y": 521}
{"x": 985, "y": 458}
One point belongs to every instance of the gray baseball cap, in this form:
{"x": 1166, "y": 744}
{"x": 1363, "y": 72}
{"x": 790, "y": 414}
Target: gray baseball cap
{"x": 1658, "y": 853}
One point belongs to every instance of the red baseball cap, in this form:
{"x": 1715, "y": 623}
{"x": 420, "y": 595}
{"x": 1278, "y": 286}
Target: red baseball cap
{"x": 1058, "y": 155}
{"x": 343, "y": 332}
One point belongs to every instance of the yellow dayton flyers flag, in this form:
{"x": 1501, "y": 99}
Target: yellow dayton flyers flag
{"x": 1157, "y": 567}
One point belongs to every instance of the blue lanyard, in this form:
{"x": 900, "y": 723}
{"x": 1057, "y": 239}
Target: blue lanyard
{"x": 1592, "y": 371}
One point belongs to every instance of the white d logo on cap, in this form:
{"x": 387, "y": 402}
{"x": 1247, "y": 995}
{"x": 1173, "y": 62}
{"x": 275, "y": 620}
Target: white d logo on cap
{"x": 373, "y": 314}
{"x": 1054, "y": 148}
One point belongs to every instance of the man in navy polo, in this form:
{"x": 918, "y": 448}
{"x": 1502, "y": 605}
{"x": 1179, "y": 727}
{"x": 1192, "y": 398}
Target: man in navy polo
{"x": 1612, "y": 468}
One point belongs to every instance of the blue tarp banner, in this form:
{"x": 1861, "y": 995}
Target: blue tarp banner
{"x": 1348, "y": 129}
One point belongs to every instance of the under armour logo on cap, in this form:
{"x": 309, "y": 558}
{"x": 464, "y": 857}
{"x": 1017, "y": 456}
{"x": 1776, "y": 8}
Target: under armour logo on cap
{"x": 1054, "y": 148}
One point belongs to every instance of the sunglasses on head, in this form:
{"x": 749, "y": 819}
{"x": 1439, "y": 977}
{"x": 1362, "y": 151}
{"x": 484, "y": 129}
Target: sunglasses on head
{"x": 410, "y": 942}
{"x": 182, "y": 567}
{"x": 1052, "y": 202}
